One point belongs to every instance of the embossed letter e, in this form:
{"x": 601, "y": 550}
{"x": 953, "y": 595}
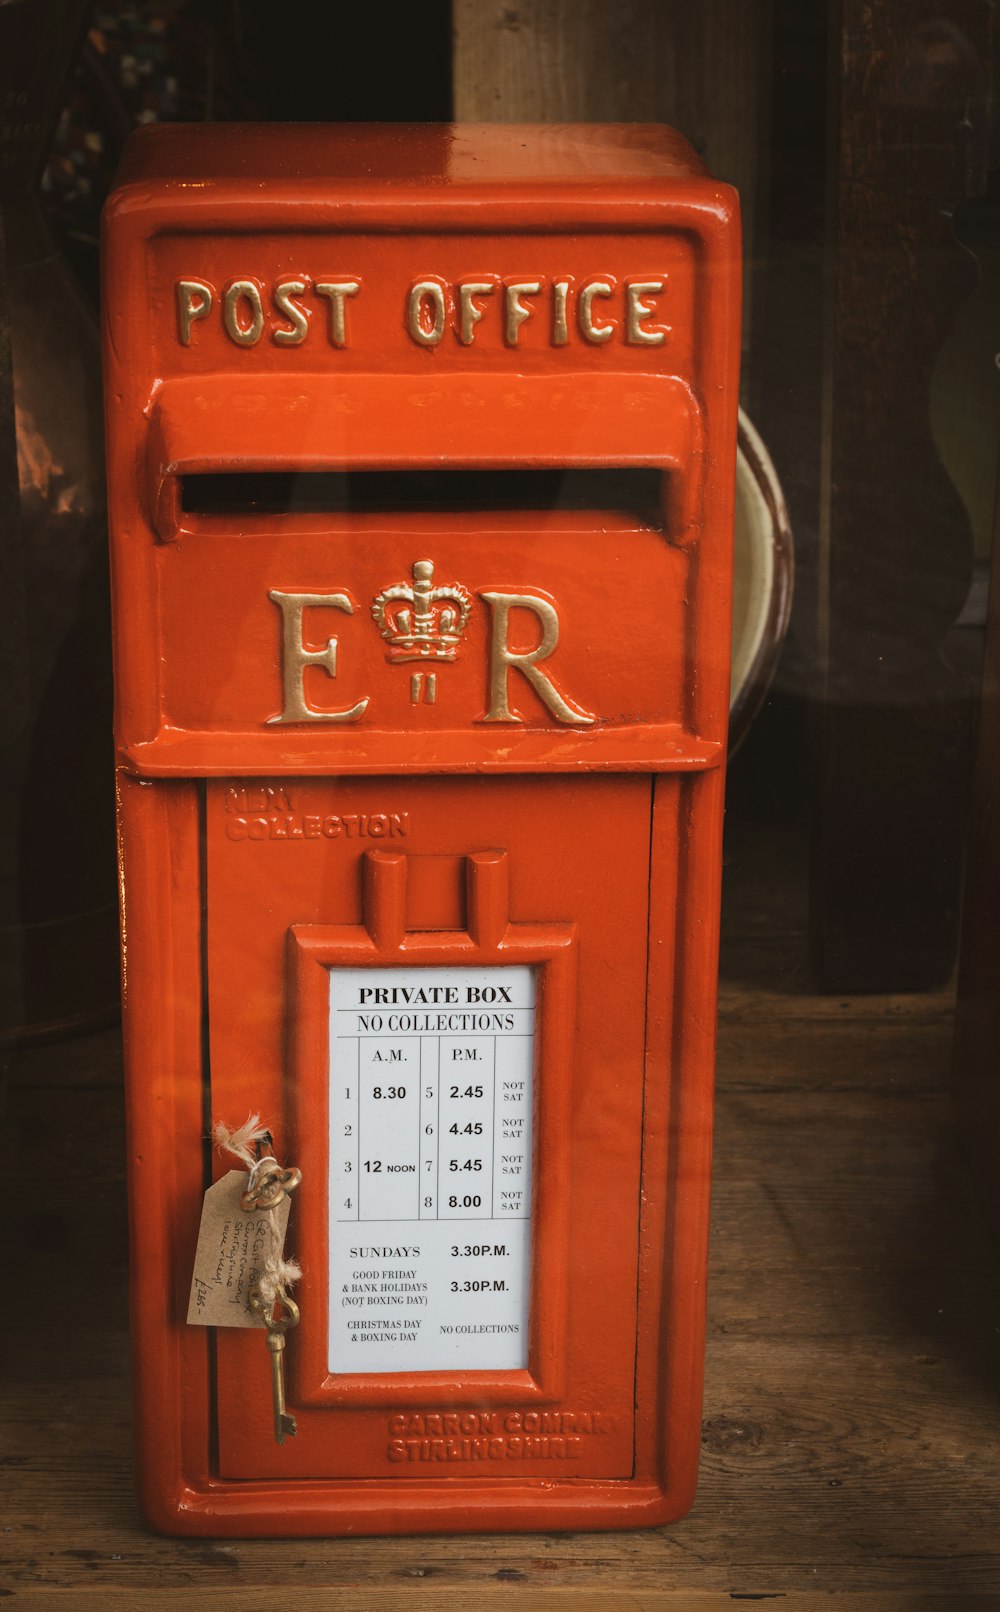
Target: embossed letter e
{"x": 295, "y": 658}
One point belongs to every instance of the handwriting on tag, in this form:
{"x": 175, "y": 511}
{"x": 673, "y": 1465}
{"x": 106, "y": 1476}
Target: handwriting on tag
{"x": 233, "y": 1244}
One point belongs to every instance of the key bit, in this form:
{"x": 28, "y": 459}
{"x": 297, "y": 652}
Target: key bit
{"x": 284, "y": 1424}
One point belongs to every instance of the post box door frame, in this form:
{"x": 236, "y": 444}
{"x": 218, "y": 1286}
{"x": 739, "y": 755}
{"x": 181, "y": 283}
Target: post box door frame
{"x": 382, "y": 940}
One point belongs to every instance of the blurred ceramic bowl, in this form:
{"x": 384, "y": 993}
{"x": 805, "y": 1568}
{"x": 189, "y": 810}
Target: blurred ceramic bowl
{"x": 763, "y": 571}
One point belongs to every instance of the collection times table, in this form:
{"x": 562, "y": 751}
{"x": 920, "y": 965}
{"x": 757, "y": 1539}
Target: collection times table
{"x": 431, "y": 1074}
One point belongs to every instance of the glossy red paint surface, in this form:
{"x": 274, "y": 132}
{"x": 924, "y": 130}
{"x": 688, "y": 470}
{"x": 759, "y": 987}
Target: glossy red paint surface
{"x": 304, "y": 787}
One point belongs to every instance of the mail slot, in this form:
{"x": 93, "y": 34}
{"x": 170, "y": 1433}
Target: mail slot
{"x": 422, "y": 450}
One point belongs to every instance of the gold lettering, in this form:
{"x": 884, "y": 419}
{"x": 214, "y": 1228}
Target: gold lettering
{"x": 503, "y": 659}
{"x": 517, "y": 313}
{"x": 639, "y": 312}
{"x": 194, "y": 301}
{"x": 295, "y": 657}
{"x": 337, "y": 291}
{"x": 592, "y": 331}
{"x": 244, "y": 335}
{"x": 283, "y": 295}
{"x": 469, "y": 314}
{"x": 424, "y": 292}
{"x": 560, "y": 333}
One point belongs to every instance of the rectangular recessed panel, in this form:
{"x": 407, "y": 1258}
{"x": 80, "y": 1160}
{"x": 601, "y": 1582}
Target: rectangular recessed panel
{"x": 430, "y": 1168}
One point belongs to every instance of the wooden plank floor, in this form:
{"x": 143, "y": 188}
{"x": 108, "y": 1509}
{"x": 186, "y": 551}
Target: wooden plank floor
{"x": 852, "y": 1400}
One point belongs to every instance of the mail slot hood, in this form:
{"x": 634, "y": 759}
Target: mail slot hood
{"x": 386, "y": 422}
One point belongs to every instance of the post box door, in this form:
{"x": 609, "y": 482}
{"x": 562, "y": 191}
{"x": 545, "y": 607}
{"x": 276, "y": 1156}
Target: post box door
{"x": 434, "y": 989}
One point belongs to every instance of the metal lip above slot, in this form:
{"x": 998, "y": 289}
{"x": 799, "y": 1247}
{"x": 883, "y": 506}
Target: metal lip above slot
{"x": 314, "y": 424}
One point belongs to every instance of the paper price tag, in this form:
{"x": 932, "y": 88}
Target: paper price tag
{"x": 233, "y": 1244}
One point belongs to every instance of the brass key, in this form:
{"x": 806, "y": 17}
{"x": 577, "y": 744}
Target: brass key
{"x": 276, "y": 1329}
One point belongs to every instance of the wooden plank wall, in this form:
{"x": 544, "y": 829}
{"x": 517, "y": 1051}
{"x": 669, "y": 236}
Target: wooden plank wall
{"x": 912, "y": 102}
{"x": 702, "y": 68}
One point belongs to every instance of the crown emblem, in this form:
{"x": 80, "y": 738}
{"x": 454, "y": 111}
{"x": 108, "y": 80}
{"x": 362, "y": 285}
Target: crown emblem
{"x": 422, "y": 623}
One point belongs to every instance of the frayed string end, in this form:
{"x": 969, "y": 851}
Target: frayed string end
{"x": 240, "y": 1141}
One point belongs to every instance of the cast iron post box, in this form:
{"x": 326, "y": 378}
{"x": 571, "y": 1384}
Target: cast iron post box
{"x": 421, "y": 458}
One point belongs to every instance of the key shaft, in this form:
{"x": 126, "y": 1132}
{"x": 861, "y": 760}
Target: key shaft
{"x": 284, "y": 1425}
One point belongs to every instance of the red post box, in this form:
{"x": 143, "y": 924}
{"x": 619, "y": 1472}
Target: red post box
{"x": 421, "y": 460}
